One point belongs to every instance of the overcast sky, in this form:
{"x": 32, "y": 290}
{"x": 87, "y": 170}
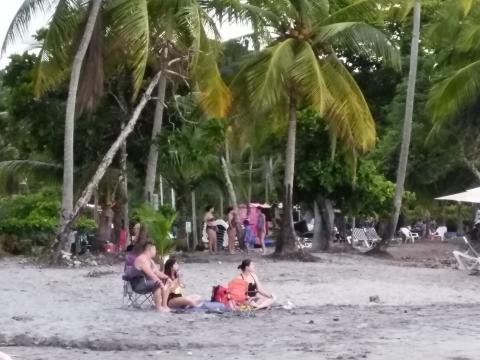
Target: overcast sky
{"x": 10, "y": 7}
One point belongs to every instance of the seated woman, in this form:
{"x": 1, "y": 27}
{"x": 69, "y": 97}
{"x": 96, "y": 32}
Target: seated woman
{"x": 258, "y": 297}
{"x": 176, "y": 300}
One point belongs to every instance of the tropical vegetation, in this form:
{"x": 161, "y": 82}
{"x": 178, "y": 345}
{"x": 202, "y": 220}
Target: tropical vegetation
{"x": 363, "y": 108}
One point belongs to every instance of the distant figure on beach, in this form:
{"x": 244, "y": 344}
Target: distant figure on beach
{"x": 249, "y": 236}
{"x": 261, "y": 228}
{"x": 122, "y": 237}
{"x": 258, "y": 297}
{"x": 210, "y": 229}
{"x": 232, "y": 229}
{"x": 176, "y": 300}
{"x": 146, "y": 277}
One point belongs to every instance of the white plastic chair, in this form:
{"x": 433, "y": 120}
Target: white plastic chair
{"x": 409, "y": 235}
{"x": 440, "y": 233}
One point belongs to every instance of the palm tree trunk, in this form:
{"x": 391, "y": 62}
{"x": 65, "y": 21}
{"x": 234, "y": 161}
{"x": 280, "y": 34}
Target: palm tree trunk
{"x": 407, "y": 124}
{"x": 250, "y": 176}
{"x": 317, "y": 227}
{"x": 228, "y": 180}
{"x": 287, "y": 241}
{"x": 102, "y": 168}
{"x": 124, "y": 185}
{"x": 327, "y": 218}
{"x": 68, "y": 156}
{"x": 194, "y": 220}
{"x": 157, "y": 128}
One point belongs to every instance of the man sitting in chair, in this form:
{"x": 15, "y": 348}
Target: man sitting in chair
{"x": 146, "y": 277}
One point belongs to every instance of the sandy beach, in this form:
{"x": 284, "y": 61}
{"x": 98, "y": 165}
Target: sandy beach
{"x": 422, "y": 313}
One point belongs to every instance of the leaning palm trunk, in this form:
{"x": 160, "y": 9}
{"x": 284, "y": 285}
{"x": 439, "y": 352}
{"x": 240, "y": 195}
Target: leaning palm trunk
{"x": 287, "y": 242}
{"x": 228, "y": 180}
{"x": 407, "y": 125}
{"x": 68, "y": 156}
{"x": 102, "y": 168}
{"x": 153, "y": 153}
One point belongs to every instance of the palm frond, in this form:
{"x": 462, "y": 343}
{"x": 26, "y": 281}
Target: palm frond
{"x": 59, "y": 45}
{"x": 361, "y": 39}
{"x": 452, "y": 94}
{"x": 308, "y": 78}
{"x": 266, "y": 76}
{"x": 370, "y": 11}
{"x": 348, "y": 116}
{"x": 466, "y": 6}
{"x": 19, "y": 25}
{"x": 17, "y": 170}
{"x": 130, "y": 22}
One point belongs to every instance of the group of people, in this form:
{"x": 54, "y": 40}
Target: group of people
{"x": 167, "y": 286}
{"x": 224, "y": 232}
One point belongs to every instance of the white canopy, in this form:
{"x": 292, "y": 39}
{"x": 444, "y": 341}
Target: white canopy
{"x": 469, "y": 196}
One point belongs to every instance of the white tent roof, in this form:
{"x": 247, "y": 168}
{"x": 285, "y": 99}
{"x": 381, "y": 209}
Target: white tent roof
{"x": 469, "y": 196}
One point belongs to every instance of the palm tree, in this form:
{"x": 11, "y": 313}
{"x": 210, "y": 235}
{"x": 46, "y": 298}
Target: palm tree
{"x": 407, "y": 123}
{"x": 128, "y": 22}
{"x": 180, "y": 28}
{"x": 462, "y": 84}
{"x": 301, "y": 69}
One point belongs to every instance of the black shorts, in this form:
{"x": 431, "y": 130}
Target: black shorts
{"x": 144, "y": 286}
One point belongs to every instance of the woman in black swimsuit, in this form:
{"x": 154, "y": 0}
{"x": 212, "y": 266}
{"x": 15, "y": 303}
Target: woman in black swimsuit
{"x": 259, "y": 298}
{"x": 176, "y": 300}
{"x": 211, "y": 229}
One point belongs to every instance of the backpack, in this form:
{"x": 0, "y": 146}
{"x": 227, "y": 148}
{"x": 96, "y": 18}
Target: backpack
{"x": 220, "y": 294}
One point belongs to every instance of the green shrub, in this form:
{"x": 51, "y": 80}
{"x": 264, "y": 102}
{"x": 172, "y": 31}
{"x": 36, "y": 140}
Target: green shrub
{"x": 29, "y": 221}
{"x": 158, "y": 225}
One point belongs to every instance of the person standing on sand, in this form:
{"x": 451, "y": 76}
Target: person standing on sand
{"x": 146, "y": 277}
{"x": 261, "y": 228}
{"x": 210, "y": 229}
{"x": 231, "y": 229}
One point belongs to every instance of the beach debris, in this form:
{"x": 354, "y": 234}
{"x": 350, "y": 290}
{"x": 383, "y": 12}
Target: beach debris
{"x": 362, "y": 326}
{"x": 310, "y": 322}
{"x": 22, "y": 318}
{"x": 99, "y": 273}
{"x": 289, "y": 305}
{"x": 375, "y": 299}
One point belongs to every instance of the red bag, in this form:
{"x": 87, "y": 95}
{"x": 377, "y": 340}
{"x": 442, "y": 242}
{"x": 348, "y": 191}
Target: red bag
{"x": 220, "y": 295}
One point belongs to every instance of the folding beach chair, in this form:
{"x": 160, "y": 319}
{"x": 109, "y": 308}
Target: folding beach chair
{"x": 132, "y": 298}
{"x": 364, "y": 240}
{"x": 468, "y": 260}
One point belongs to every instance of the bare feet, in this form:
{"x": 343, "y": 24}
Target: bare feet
{"x": 164, "y": 309}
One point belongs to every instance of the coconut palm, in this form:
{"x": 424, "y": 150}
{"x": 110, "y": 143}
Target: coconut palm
{"x": 407, "y": 123}
{"x": 62, "y": 55}
{"x": 180, "y": 28}
{"x": 300, "y": 68}
{"x": 461, "y": 85}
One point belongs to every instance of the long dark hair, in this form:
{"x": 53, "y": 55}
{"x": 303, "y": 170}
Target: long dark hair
{"x": 172, "y": 274}
{"x": 245, "y": 263}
